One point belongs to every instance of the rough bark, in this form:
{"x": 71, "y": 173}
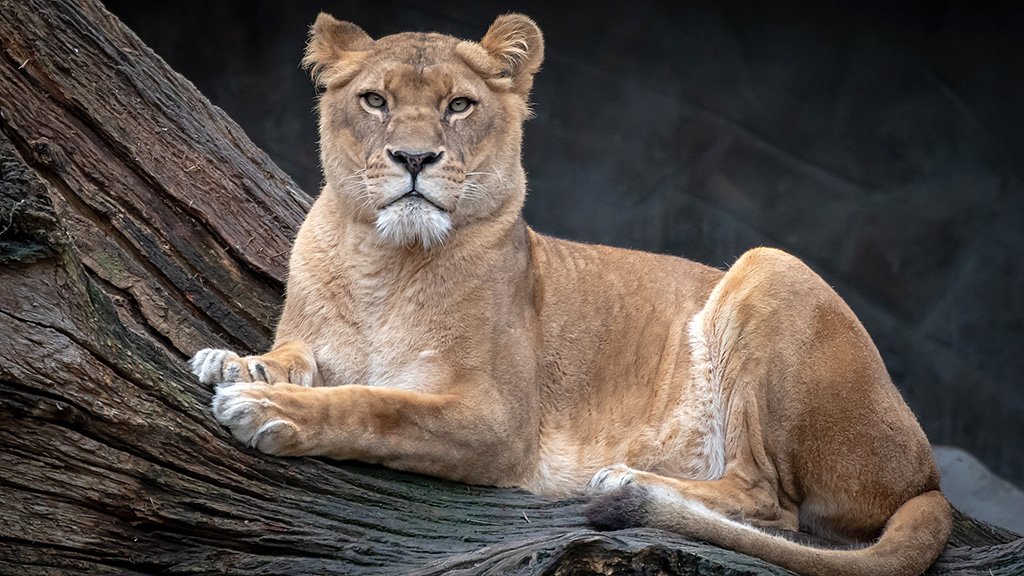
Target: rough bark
{"x": 137, "y": 225}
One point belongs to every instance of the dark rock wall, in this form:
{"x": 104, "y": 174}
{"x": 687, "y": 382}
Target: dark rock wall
{"x": 883, "y": 144}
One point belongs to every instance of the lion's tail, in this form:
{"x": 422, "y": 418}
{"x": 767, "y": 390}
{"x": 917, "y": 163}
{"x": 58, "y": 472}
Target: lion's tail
{"x": 910, "y": 542}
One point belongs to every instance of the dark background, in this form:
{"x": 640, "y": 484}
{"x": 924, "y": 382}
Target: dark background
{"x": 882, "y": 143}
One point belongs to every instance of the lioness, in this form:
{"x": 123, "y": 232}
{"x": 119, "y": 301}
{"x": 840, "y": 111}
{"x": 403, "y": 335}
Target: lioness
{"x": 426, "y": 327}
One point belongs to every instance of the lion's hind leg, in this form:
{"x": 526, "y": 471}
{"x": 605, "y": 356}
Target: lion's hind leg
{"x": 910, "y": 542}
{"x": 623, "y": 497}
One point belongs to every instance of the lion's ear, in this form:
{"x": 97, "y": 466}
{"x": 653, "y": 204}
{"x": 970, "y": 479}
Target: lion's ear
{"x": 516, "y": 44}
{"x": 335, "y": 50}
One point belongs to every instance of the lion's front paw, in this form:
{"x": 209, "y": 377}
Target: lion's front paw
{"x": 214, "y": 366}
{"x": 610, "y": 478}
{"x": 249, "y": 411}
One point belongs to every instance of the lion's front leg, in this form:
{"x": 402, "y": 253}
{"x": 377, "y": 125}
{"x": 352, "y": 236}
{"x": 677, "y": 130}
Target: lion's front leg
{"x": 291, "y": 362}
{"x": 439, "y": 434}
{"x": 289, "y": 420}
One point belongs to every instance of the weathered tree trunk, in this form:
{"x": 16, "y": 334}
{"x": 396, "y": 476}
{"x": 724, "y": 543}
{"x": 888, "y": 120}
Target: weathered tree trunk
{"x": 139, "y": 224}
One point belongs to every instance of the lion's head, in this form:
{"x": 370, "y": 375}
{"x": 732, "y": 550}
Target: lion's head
{"x": 420, "y": 133}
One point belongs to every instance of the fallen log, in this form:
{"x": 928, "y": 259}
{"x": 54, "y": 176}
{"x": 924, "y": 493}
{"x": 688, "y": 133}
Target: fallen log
{"x": 138, "y": 224}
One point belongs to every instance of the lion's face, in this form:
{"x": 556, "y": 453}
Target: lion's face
{"x": 420, "y": 133}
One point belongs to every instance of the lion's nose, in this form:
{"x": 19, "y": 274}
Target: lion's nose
{"x": 414, "y": 162}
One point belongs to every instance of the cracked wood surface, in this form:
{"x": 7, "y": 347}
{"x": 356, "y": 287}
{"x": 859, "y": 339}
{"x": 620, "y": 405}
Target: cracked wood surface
{"x": 137, "y": 225}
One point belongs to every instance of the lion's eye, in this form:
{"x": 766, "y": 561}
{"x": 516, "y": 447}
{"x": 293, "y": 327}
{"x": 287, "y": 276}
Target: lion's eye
{"x": 459, "y": 105}
{"x": 374, "y": 100}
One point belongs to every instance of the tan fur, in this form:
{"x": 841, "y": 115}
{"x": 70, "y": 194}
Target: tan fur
{"x": 444, "y": 336}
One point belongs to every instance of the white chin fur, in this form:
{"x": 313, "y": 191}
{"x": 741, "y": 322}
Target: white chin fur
{"x": 409, "y": 222}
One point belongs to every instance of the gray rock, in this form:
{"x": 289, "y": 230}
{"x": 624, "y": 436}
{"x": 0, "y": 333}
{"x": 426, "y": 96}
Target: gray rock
{"x": 974, "y": 489}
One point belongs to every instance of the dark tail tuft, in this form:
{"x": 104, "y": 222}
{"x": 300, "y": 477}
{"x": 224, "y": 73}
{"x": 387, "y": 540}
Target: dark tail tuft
{"x": 624, "y": 507}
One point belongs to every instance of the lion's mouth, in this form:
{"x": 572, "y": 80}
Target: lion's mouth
{"x": 415, "y": 195}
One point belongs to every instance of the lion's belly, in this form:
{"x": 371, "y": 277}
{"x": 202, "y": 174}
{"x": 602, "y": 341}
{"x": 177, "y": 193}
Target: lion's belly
{"x": 669, "y": 420}
{"x": 678, "y": 448}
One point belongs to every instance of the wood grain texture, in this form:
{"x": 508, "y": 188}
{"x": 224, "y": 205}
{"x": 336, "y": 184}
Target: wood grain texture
{"x": 139, "y": 224}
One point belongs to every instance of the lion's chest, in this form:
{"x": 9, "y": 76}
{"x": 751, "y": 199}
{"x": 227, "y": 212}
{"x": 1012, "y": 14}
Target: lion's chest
{"x": 376, "y": 345}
